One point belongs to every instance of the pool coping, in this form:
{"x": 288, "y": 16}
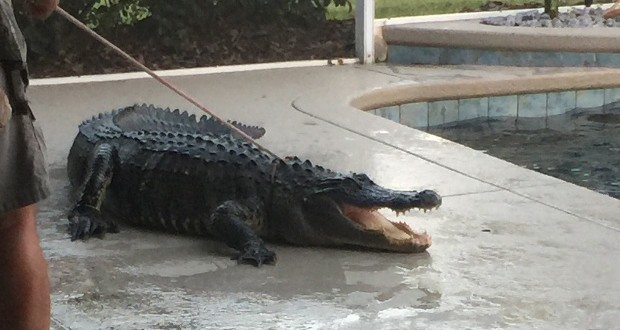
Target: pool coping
{"x": 454, "y": 90}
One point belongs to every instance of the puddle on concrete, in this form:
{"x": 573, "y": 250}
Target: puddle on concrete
{"x": 582, "y": 146}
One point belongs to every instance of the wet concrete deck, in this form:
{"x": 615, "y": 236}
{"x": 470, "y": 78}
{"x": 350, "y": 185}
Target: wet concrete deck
{"x": 512, "y": 248}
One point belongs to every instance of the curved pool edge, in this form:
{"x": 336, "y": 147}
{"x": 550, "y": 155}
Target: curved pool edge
{"x": 454, "y": 90}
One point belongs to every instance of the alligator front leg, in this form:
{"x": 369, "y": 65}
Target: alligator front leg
{"x": 85, "y": 218}
{"x": 235, "y": 223}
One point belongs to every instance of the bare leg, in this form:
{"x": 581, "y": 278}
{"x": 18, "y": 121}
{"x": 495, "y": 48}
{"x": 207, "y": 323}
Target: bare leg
{"x": 24, "y": 282}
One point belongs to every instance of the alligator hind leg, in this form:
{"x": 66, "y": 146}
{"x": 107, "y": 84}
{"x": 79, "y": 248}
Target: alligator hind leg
{"x": 85, "y": 218}
{"x": 232, "y": 222}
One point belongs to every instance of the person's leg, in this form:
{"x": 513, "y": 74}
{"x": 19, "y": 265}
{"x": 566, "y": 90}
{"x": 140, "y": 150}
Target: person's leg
{"x": 24, "y": 282}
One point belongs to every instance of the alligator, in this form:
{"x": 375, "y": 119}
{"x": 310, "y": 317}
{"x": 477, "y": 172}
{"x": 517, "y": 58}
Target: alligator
{"x": 167, "y": 170}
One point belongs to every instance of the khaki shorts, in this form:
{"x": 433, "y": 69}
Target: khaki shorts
{"x": 23, "y": 172}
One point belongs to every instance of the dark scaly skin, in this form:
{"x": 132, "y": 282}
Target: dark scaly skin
{"x": 161, "y": 169}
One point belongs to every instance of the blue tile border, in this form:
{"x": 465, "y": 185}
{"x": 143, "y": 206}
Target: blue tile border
{"x": 503, "y": 106}
{"x": 443, "y": 112}
{"x": 392, "y": 113}
{"x": 590, "y": 98}
{"x": 414, "y": 114}
{"x": 474, "y": 108}
{"x": 560, "y": 102}
{"x": 532, "y": 105}
{"x": 612, "y": 95}
{"x": 402, "y": 54}
{"x": 526, "y": 108}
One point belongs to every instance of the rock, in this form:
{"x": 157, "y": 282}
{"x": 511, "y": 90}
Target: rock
{"x": 575, "y": 18}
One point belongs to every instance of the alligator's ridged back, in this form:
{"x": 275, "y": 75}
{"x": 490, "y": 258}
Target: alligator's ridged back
{"x": 142, "y": 118}
{"x": 165, "y": 157}
{"x": 150, "y": 118}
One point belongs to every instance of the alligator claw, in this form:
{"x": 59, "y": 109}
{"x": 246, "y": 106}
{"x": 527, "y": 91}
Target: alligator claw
{"x": 256, "y": 255}
{"x": 87, "y": 222}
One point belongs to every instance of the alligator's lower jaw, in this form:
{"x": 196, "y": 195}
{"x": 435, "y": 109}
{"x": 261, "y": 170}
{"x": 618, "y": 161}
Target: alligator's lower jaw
{"x": 400, "y": 236}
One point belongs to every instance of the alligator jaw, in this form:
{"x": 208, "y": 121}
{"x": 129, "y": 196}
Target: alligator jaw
{"x": 400, "y": 235}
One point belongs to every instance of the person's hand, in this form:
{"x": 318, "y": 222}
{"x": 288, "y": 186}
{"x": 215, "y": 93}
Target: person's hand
{"x": 41, "y": 9}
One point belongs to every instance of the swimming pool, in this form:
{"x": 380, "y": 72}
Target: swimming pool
{"x": 584, "y": 149}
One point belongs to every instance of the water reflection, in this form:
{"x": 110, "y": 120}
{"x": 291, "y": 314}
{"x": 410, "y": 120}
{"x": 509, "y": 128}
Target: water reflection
{"x": 355, "y": 278}
{"x": 581, "y": 146}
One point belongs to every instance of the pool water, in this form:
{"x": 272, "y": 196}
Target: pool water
{"x": 585, "y": 150}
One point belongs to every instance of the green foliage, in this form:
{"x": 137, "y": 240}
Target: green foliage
{"x": 184, "y": 14}
{"x": 108, "y": 14}
{"x": 551, "y": 7}
{"x": 172, "y": 21}
{"x": 169, "y": 20}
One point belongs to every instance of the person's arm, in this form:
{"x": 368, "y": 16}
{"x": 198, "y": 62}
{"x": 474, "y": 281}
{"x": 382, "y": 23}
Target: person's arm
{"x": 41, "y": 9}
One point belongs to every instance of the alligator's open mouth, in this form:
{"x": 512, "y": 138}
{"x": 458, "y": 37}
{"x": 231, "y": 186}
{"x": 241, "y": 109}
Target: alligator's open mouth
{"x": 397, "y": 233}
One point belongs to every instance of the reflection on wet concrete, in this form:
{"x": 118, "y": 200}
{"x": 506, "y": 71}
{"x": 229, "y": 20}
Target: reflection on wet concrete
{"x": 171, "y": 278}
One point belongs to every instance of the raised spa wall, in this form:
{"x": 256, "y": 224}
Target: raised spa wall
{"x": 465, "y": 40}
{"x": 531, "y": 111}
